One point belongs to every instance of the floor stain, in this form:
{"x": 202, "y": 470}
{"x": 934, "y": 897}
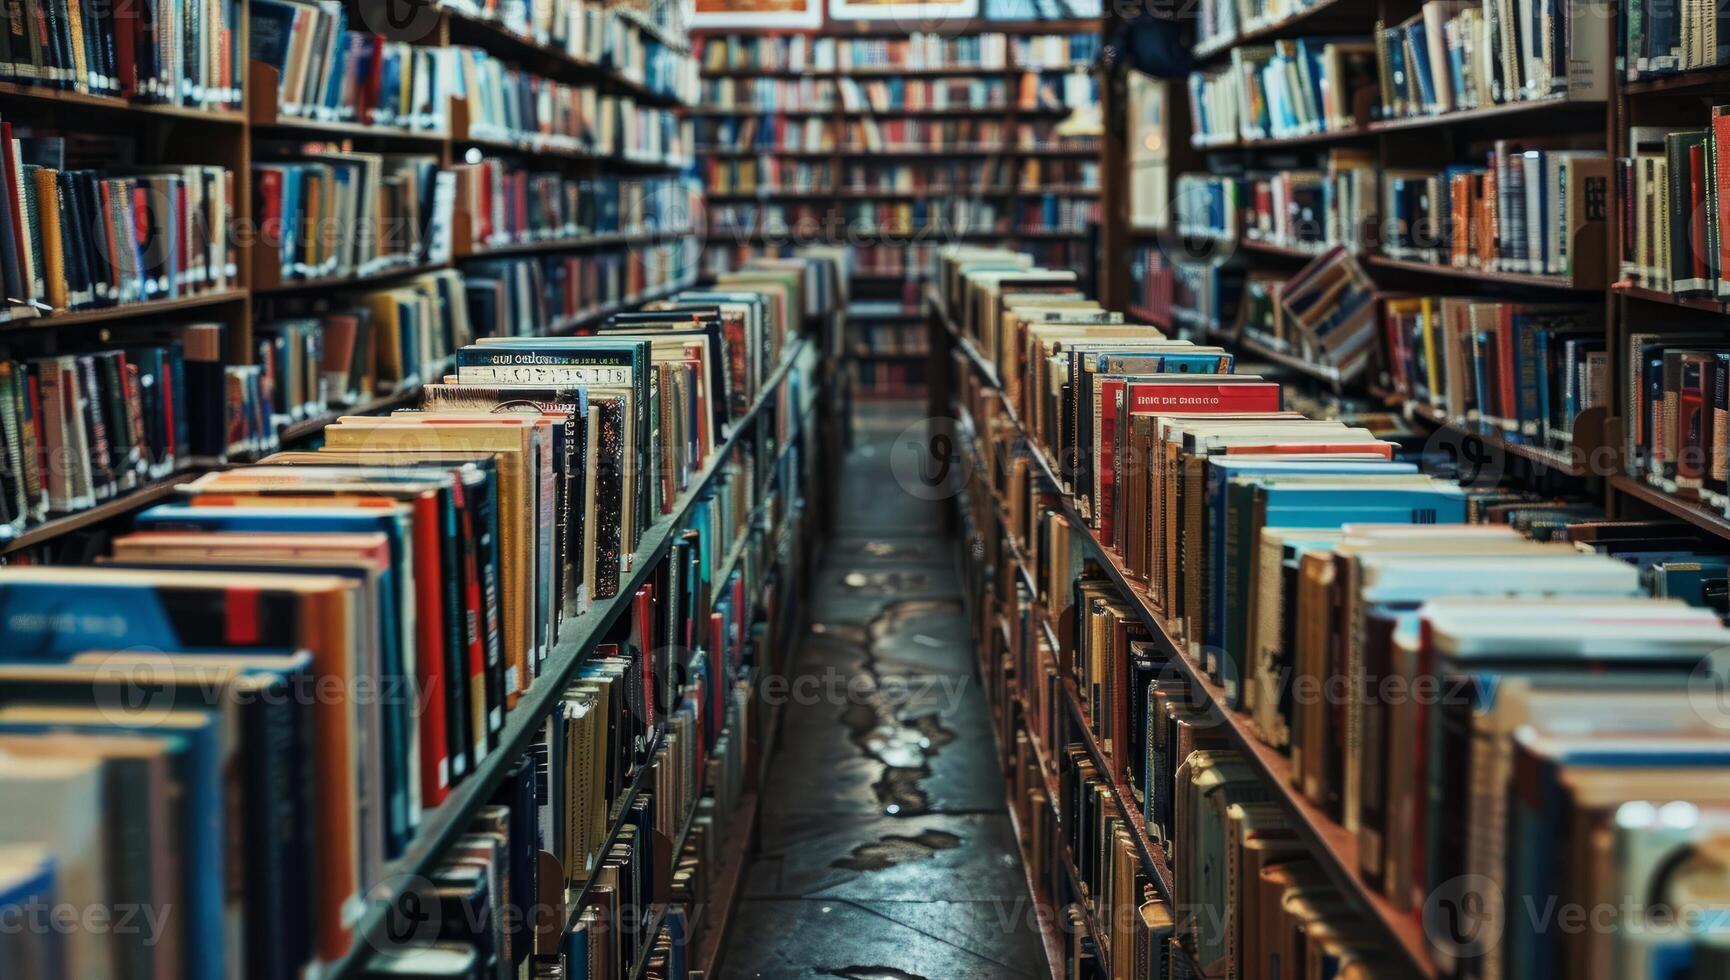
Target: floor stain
{"x": 896, "y": 849}
{"x": 903, "y": 746}
{"x": 868, "y": 973}
{"x": 885, "y": 583}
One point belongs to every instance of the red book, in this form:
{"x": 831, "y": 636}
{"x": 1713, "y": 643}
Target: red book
{"x": 10, "y": 160}
{"x": 429, "y": 576}
{"x": 476, "y": 626}
{"x": 1508, "y": 408}
{"x": 642, "y": 624}
{"x": 1721, "y": 136}
{"x": 1190, "y": 397}
{"x": 1107, "y": 450}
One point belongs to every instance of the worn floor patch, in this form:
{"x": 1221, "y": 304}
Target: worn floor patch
{"x": 896, "y": 849}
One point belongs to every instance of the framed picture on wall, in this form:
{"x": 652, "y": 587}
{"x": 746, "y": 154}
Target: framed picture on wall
{"x": 919, "y": 12}
{"x": 787, "y": 14}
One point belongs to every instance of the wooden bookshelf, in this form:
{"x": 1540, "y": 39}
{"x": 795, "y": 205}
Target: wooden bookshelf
{"x": 117, "y": 506}
{"x": 1333, "y": 848}
{"x": 441, "y": 826}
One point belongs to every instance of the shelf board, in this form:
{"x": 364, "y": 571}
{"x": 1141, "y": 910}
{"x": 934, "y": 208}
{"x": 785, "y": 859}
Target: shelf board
{"x": 1704, "y": 81}
{"x": 601, "y": 240}
{"x": 109, "y": 314}
{"x": 1285, "y": 25}
{"x": 106, "y": 510}
{"x": 294, "y": 127}
{"x": 1462, "y": 116}
{"x": 725, "y": 890}
{"x": 1332, "y": 846}
{"x": 342, "y": 282}
{"x": 442, "y": 826}
{"x": 1695, "y": 512}
{"x": 1276, "y": 249}
{"x": 1522, "y": 279}
{"x": 1554, "y": 460}
{"x": 39, "y": 97}
{"x": 1279, "y": 142}
{"x": 1703, "y": 303}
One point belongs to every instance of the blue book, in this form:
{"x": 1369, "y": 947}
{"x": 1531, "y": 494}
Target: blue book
{"x": 197, "y": 758}
{"x": 389, "y": 741}
{"x": 1257, "y": 501}
{"x": 1221, "y": 470}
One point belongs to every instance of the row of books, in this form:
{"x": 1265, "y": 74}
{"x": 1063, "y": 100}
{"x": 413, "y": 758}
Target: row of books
{"x": 876, "y": 135}
{"x": 343, "y": 215}
{"x": 79, "y": 429}
{"x": 1664, "y": 38}
{"x": 332, "y": 74}
{"x": 1279, "y": 555}
{"x": 1033, "y": 212}
{"x": 921, "y": 94}
{"x": 1521, "y": 371}
{"x": 1457, "y": 54}
{"x": 1287, "y": 89}
{"x": 1668, "y": 224}
{"x": 1054, "y": 51}
{"x": 74, "y": 238}
{"x": 765, "y": 175}
{"x": 769, "y": 94}
{"x": 1529, "y": 208}
{"x": 180, "y": 53}
{"x": 891, "y": 339}
{"x": 765, "y": 134}
{"x": 949, "y": 176}
{"x": 507, "y": 204}
{"x": 986, "y": 51}
{"x": 919, "y": 51}
{"x": 513, "y": 501}
{"x": 1313, "y": 209}
{"x": 920, "y": 216}
{"x": 895, "y": 380}
{"x": 1676, "y": 437}
{"x": 508, "y": 104}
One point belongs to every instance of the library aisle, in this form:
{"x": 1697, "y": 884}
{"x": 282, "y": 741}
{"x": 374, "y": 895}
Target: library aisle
{"x": 885, "y": 850}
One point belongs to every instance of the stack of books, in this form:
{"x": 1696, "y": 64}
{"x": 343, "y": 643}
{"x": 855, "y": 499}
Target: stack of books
{"x": 186, "y": 54}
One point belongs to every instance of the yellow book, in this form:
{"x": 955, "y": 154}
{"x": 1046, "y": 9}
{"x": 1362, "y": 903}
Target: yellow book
{"x": 48, "y": 220}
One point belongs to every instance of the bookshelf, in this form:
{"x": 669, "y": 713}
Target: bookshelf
{"x": 442, "y": 826}
{"x": 1428, "y": 140}
{"x": 259, "y": 129}
{"x": 838, "y": 204}
{"x": 1331, "y": 845}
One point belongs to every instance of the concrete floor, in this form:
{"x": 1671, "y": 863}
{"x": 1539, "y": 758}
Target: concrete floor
{"x": 886, "y": 853}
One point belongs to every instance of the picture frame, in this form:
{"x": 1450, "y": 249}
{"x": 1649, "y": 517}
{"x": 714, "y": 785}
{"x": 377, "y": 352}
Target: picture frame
{"x": 775, "y": 14}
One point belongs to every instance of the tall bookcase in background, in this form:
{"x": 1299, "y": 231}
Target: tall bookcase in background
{"x": 896, "y": 142}
{"x": 595, "y": 194}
